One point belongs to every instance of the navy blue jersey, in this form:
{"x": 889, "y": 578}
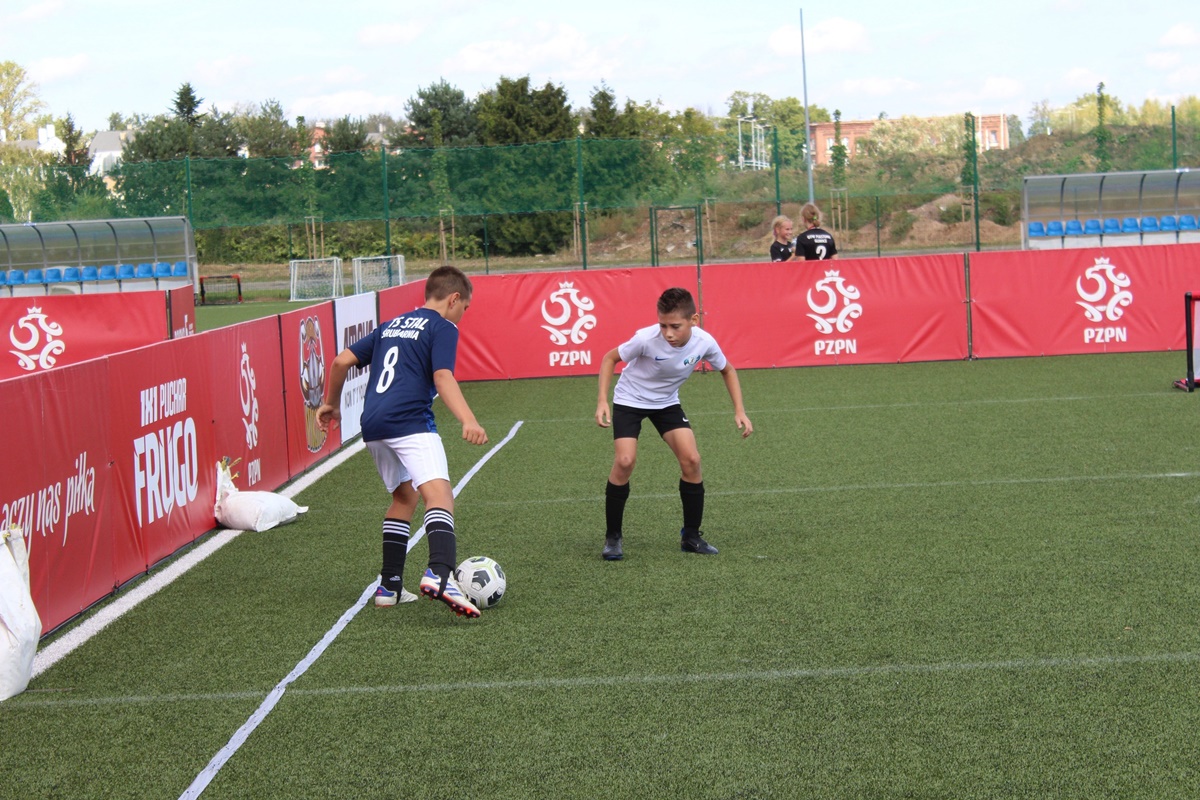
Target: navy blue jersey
{"x": 403, "y": 354}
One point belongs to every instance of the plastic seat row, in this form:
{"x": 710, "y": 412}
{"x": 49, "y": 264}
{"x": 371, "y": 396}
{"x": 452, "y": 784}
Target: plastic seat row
{"x": 1113, "y": 232}
{"x": 90, "y": 279}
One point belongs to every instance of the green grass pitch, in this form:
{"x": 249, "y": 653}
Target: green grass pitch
{"x": 952, "y": 580}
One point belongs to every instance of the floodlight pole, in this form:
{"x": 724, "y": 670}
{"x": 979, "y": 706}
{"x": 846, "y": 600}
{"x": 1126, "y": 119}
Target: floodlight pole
{"x": 807, "y": 125}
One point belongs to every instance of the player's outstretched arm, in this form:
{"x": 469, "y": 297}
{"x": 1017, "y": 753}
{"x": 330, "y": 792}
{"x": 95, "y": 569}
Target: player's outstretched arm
{"x": 608, "y": 366}
{"x": 729, "y": 374}
{"x": 331, "y": 409}
{"x": 448, "y": 389}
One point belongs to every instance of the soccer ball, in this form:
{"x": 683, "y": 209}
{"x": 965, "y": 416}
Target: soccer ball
{"x": 482, "y": 580}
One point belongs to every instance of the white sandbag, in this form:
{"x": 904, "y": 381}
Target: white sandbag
{"x": 20, "y": 625}
{"x": 250, "y": 511}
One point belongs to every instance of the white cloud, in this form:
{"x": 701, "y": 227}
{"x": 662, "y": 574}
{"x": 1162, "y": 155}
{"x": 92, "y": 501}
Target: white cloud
{"x": 1081, "y": 78}
{"x": 836, "y": 35}
{"x": 556, "y": 49}
{"x": 49, "y": 70}
{"x": 878, "y": 87}
{"x": 389, "y": 34}
{"x": 1163, "y": 60}
{"x": 344, "y": 75}
{"x": 995, "y": 88}
{"x": 223, "y": 70}
{"x": 1181, "y": 34}
{"x": 42, "y": 10}
{"x": 335, "y": 105}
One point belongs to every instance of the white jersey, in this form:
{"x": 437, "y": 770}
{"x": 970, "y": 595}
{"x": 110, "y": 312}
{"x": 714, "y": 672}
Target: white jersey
{"x": 655, "y": 370}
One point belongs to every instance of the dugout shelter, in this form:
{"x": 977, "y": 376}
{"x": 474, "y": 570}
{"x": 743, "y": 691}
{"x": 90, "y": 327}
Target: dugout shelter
{"x": 75, "y": 256}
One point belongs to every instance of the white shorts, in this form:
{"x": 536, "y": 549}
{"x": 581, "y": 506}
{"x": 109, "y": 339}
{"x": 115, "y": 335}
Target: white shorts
{"x": 419, "y": 458}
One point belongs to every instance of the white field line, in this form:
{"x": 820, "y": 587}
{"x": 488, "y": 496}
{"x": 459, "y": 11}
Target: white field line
{"x": 239, "y": 737}
{"x": 584, "y": 682}
{"x": 52, "y": 653}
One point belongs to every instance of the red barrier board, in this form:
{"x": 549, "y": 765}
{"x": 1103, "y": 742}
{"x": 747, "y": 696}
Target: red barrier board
{"x": 56, "y": 330}
{"x": 547, "y": 324}
{"x": 1058, "y": 302}
{"x": 247, "y": 401}
{"x": 181, "y": 309}
{"x": 161, "y": 412}
{"x": 308, "y": 345}
{"x": 400, "y": 299}
{"x": 848, "y": 311}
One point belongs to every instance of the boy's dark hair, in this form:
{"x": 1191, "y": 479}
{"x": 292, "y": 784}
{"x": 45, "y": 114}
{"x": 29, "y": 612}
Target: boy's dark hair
{"x": 445, "y": 281}
{"x": 676, "y": 301}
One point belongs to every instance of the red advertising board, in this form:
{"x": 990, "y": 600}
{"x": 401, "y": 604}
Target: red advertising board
{"x": 848, "y": 311}
{"x": 1058, "y": 302}
{"x": 544, "y": 324}
{"x": 309, "y": 344}
{"x": 164, "y": 464}
{"x": 56, "y": 330}
{"x": 181, "y": 308}
{"x": 400, "y": 299}
{"x": 247, "y": 402}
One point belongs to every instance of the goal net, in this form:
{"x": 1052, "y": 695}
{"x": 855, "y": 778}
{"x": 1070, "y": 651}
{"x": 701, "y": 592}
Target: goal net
{"x": 220, "y": 289}
{"x": 316, "y": 278}
{"x": 377, "y": 272}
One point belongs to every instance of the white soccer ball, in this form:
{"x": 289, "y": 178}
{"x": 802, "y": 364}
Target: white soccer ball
{"x": 482, "y": 580}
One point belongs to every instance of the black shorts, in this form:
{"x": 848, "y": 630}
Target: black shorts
{"x": 627, "y": 421}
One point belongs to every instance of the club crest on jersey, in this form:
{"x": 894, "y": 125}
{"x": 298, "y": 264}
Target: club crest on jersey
{"x": 690, "y": 360}
{"x": 568, "y": 319}
{"x": 1099, "y": 306}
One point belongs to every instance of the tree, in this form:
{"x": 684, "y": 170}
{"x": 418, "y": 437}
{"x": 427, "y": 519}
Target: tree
{"x": 1016, "y": 134}
{"x": 603, "y": 119}
{"x": 187, "y": 105}
{"x": 268, "y": 133}
{"x": 456, "y": 118}
{"x": 1040, "y": 119}
{"x": 838, "y": 153}
{"x": 346, "y": 135}
{"x": 969, "y": 175}
{"x": 19, "y": 102}
{"x": 513, "y": 113}
{"x": 1101, "y": 133}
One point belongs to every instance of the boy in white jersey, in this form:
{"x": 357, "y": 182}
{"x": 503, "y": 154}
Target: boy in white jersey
{"x": 659, "y": 359}
{"x": 411, "y": 360}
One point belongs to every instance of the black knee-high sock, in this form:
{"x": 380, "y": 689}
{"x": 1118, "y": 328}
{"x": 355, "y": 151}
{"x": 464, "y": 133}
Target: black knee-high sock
{"x": 395, "y": 549}
{"x": 692, "y": 495}
{"x": 614, "y": 507}
{"x": 439, "y": 527}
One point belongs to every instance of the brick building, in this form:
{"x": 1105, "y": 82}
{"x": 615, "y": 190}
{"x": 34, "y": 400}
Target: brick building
{"x": 991, "y": 130}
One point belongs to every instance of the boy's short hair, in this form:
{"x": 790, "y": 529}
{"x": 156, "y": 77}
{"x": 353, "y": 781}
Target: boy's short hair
{"x": 445, "y": 281}
{"x": 779, "y": 222}
{"x": 677, "y": 301}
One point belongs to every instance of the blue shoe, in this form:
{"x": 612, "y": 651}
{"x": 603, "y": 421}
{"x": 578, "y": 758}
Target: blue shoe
{"x": 448, "y": 592}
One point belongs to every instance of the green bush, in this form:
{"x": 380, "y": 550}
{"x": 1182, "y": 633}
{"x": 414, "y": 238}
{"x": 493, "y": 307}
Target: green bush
{"x": 902, "y": 224}
{"x": 750, "y": 218}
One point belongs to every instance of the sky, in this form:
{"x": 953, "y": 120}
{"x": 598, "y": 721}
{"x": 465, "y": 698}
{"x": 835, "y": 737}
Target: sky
{"x": 332, "y": 58}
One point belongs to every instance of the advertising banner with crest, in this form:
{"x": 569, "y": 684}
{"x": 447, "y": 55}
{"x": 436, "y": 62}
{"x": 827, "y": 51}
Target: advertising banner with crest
{"x": 355, "y": 318}
{"x": 848, "y": 311}
{"x": 1059, "y": 302}
{"x": 247, "y": 399}
{"x": 547, "y": 324}
{"x": 308, "y": 344}
{"x": 56, "y": 330}
{"x": 164, "y": 466}
{"x": 181, "y": 306}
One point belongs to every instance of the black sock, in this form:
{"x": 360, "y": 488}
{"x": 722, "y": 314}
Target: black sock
{"x": 692, "y": 495}
{"x": 439, "y": 527}
{"x": 614, "y": 508}
{"x": 395, "y": 549}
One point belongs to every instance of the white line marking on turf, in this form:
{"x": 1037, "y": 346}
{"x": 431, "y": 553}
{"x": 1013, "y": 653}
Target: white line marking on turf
{"x": 799, "y": 673}
{"x": 241, "y": 734}
{"x": 63, "y": 646}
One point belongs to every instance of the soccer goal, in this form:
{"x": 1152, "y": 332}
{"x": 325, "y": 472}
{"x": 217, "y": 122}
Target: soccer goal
{"x": 377, "y": 272}
{"x": 220, "y": 289}
{"x": 316, "y": 278}
{"x": 1190, "y": 299}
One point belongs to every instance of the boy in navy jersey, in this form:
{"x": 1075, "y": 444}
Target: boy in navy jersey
{"x": 659, "y": 359}
{"x": 411, "y": 360}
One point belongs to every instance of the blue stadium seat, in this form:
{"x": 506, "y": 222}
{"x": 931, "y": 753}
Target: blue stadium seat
{"x": 71, "y": 274}
{"x": 1074, "y": 227}
{"x": 1054, "y": 228}
{"x": 145, "y": 270}
{"x": 1130, "y": 225}
{"x": 16, "y": 277}
{"x": 103, "y": 280}
{"x": 108, "y": 272}
{"x": 1036, "y": 228}
{"x": 1168, "y": 223}
{"x": 1092, "y": 227}
{"x": 124, "y": 271}
{"x": 162, "y": 270}
{"x": 1187, "y": 222}
{"x": 53, "y": 275}
{"x": 1150, "y": 224}
{"x": 89, "y": 274}
{"x": 1112, "y": 225}
{"x": 180, "y": 270}
{"x": 34, "y": 276}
